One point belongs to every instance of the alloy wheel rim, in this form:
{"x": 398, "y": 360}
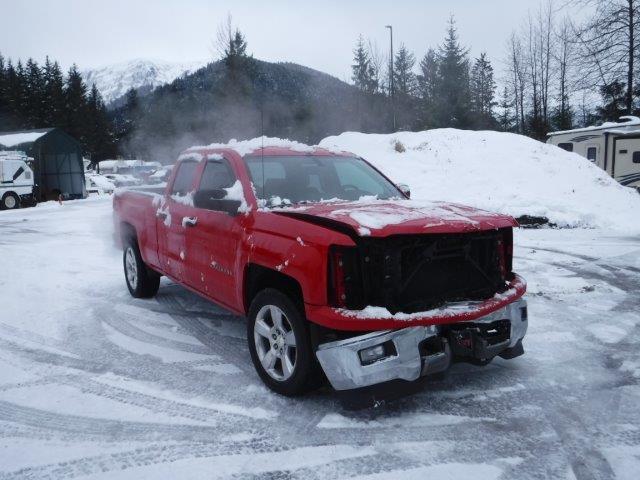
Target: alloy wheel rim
{"x": 275, "y": 343}
{"x": 131, "y": 268}
{"x": 9, "y": 202}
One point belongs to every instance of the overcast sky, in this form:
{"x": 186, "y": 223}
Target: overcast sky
{"x": 319, "y": 34}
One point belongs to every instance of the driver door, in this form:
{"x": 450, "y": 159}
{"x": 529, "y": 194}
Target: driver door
{"x": 213, "y": 241}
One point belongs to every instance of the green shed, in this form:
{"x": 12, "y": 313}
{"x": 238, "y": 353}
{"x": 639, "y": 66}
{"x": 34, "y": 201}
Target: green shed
{"x": 57, "y": 164}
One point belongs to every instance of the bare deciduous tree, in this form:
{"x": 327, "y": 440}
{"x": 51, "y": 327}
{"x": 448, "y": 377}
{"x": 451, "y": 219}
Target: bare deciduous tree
{"x": 609, "y": 43}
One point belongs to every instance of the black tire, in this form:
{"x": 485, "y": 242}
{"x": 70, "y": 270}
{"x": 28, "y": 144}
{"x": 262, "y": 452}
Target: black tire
{"x": 10, "y": 201}
{"x": 306, "y": 374}
{"x": 146, "y": 282}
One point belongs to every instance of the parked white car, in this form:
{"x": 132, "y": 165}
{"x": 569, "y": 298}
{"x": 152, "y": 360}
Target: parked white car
{"x": 16, "y": 183}
{"x": 122, "y": 180}
{"x": 99, "y": 184}
{"x": 161, "y": 175}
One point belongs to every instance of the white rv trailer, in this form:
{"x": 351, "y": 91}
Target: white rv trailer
{"x": 16, "y": 180}
{"x": 613, "y": 146}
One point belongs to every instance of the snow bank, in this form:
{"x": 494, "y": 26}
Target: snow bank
{"x": 500, "y": 172}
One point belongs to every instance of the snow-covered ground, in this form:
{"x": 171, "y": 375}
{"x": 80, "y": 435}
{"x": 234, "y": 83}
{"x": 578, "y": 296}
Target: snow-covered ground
{"x": 95, "y": 384}
{"x": 501, "y": 172}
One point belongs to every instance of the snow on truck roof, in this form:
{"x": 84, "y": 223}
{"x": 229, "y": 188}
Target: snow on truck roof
{"x": 266, "y": 145}
{"x": 629, "y": 121}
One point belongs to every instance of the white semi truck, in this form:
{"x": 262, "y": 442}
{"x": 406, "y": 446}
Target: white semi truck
{"x": 16, "y": 181}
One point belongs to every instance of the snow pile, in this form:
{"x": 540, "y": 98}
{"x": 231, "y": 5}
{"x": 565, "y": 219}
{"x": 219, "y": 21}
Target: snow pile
{"x": 500, "y": 172}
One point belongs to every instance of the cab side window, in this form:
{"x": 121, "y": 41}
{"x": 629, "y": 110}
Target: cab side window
{"x": 212, "y": 194}
{"x": 217, "y": 175}
{"x": 184, "y": 178}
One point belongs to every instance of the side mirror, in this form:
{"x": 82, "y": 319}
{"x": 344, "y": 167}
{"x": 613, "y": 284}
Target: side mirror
{"x": 215, "y": 200}
{"x": 405, "y": 189}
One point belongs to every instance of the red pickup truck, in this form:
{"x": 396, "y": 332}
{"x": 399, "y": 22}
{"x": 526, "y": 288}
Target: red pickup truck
{"x": 337, "y": 271}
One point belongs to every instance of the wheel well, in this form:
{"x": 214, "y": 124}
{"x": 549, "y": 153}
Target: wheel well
{"x": 127, "y": 233}
{"x": 258, "y": 278}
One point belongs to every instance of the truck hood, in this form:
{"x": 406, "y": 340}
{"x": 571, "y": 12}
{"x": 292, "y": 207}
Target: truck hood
{"x": 394, "y": 217}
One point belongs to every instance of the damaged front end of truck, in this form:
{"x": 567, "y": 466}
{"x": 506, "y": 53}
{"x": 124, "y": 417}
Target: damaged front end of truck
{"x": 433, "y": 299}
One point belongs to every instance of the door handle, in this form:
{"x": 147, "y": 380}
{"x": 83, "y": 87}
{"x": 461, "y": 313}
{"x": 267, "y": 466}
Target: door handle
{"x": 189, "y": 221}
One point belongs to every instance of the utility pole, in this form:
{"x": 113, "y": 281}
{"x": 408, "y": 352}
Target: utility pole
{"x": 393, "y": 93}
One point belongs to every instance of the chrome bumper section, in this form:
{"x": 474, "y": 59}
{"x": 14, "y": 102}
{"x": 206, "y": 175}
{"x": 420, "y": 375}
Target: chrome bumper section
{"x": 342, "y": 364}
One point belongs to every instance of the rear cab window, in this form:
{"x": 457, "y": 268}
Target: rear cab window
{"x": 182, "y": 185}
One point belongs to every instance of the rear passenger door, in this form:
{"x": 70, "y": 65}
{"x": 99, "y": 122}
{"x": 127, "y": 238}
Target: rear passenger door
{"x": 213, "y": 243}
{"x": 172, "y": 247}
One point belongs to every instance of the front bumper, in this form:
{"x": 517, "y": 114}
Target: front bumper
{"x": 410, "y": 360}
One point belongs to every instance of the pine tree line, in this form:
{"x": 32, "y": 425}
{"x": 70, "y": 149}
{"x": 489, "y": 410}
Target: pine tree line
{"x": 449, "y": 90}
{"x": 34, "y": 96}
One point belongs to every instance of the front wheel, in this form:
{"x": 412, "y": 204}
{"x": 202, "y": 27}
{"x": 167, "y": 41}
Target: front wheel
{"x": 10, "y": 201}
{"x": 141, "y": 281}
{"x": 280, "y": 346}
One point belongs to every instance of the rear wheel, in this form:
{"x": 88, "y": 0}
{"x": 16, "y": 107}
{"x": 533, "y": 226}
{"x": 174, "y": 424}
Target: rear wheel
{"x": 280, "y": 345}
{"x": 141, "y": 281}
{"x": 10, "y": 201}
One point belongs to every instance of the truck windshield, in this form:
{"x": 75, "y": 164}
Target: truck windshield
{"x": 302, "y": 179}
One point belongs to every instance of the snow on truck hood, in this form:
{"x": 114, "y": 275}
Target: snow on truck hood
{"x": 392, "y": 217}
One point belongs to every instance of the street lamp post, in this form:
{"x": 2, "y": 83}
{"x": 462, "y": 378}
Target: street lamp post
{"x": 393, "y": 99}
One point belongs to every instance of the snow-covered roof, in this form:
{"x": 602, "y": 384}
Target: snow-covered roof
{"x": 11, "y": 139}
{"x": 245, "y": 147}
{"x": 630, "y": 121}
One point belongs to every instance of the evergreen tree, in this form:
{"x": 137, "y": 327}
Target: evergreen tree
{"x": 363, "y": 71}
{"x": 482, "y": 89}
{"x": 13, "y": 94}
{"x": 33, "y": 108}
{"x": 4, "y": 114}
{"x": 507, "y": 121}
{"x": 562, "y": 115}
{"x": 54, "y": 99}
{"x": 427, "y": 86}
{"x": 453, "y": 82}
{"x": 99, "y": 137}
{"x": 403, "y": 76}
{"x": 614, "y": 96}
{"x": 20, "y": 96}
{"x": 75, "y": 94}
{"x": 236, "y": 50}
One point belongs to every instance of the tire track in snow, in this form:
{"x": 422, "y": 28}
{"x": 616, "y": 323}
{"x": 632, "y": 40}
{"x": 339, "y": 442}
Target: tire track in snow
{"x": 130, "y": 330}
{"x": 139, "y": 457}
{"x": 232, "y": 350}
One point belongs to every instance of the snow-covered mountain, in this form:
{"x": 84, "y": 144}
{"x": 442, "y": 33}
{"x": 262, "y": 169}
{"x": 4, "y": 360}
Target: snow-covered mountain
{"x": 113, "y": 81}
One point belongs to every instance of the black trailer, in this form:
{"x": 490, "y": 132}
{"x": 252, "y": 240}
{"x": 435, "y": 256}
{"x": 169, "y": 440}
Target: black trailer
{"x": 57, "y": 165}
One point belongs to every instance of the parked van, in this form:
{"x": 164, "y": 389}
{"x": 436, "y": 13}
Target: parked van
{"x": 16, "y": 182}
{"x": 613, "y": 146}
